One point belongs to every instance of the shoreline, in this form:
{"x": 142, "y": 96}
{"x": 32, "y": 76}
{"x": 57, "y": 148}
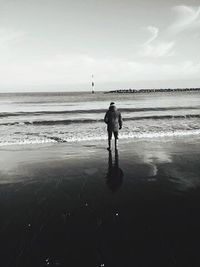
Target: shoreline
{"x": 123, "y": 138}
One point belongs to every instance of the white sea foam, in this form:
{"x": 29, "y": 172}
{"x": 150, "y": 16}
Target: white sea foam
{"x": 26, "y": 142}
{"x": 73, "y": 139}
{"x": 162, "y": 134}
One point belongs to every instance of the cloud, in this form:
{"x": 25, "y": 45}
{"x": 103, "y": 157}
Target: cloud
{"x": 156, "y": 48}
{"x": 154, "y": 31}
{"x": 161, "y": 44}
{"x": 162, "y": 49}
{"x": 186, "y": 18}
{"x": 77, "y": 69}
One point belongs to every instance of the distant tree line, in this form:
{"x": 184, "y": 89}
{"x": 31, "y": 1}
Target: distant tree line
{"x": 134, "y": 91}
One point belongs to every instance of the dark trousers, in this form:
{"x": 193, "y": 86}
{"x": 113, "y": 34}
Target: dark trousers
{"x": 110, "y": 132}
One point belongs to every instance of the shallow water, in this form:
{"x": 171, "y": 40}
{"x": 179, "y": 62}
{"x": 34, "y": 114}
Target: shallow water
{"x": 71, "y": 117}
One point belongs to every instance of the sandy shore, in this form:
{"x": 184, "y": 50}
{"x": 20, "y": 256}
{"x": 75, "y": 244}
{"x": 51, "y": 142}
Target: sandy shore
{"x": 78, "y": 205}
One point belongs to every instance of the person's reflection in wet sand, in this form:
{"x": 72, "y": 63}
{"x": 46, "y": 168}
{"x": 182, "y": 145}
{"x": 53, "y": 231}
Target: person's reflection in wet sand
{"x": 114, "y": 176}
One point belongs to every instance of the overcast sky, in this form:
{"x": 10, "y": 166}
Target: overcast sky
{"x": 58, "y": 44}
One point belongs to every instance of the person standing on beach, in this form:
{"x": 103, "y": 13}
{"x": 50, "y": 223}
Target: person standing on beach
{"x": 113, "y": 119}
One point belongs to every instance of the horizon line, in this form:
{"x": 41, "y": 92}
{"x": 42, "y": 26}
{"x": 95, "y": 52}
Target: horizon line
{"x": 99, "y": 91}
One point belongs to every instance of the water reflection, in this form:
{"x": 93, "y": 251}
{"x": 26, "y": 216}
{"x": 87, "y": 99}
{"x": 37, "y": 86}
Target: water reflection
{"x": 114, "y": 176}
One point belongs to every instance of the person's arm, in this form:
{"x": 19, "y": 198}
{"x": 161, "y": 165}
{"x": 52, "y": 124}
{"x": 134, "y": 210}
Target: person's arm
{"x": 120, "y": 121}
{"x": 106, "y": 118}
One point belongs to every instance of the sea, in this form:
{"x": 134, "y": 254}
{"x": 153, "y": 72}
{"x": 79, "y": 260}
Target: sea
{"x": 37, "y": 118}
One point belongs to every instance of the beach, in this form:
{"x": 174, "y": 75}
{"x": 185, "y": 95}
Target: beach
{"x": 76, "y": 204}
{"x": 73, "y": 74}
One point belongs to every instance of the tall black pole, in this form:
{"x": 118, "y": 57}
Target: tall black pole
{"x": 92, "y": 84}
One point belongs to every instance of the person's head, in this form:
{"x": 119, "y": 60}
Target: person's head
{"x": 112, "y": 106}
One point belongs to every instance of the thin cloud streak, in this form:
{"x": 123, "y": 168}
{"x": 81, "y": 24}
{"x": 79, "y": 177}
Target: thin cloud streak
{"x": 156, "y": 48}
{"x": 162, "y": 49}
{"x": 154, "y": 31}
{"x": 187, "y": 18}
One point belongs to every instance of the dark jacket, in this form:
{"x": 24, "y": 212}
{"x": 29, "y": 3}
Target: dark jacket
{"x": 113, "y": 119}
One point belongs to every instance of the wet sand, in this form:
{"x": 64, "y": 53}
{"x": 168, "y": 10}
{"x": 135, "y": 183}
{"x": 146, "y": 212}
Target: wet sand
{"x": 78, "y": 205}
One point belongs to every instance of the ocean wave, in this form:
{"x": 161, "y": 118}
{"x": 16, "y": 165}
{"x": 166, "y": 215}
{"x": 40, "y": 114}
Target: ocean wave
{"x": 82, "y": 121}
{"x": 133, "y": 135}
{"x": 95, "y": 111}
